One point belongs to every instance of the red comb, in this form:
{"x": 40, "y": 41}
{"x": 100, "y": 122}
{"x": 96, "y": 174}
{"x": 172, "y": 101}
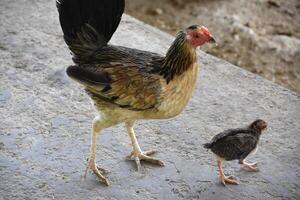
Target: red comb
{"x": 205, "y": 30}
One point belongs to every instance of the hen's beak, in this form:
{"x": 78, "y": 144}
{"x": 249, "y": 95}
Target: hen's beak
{"x": 212, "y": 40}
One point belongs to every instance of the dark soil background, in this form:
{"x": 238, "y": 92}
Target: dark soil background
{"x": 262, "y": 36}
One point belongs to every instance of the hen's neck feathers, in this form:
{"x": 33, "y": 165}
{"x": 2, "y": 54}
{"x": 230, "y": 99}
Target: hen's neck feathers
{"x": 179, "y": 58}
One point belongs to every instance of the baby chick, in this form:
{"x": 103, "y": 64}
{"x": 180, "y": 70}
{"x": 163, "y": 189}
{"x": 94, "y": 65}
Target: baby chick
{"x": 236, "y": 144}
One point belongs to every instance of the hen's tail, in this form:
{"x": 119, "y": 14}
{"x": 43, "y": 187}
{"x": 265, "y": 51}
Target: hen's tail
{"x": 88, "y": 25}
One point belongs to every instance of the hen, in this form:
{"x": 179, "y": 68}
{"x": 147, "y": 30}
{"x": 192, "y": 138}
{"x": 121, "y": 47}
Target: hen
{"x": 126, "y": 84}
{"x": 236, "y": 144}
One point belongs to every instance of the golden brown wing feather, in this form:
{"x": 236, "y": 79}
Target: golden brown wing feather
{"x": 125, "y": 84}
{"x": 135, "y": 88}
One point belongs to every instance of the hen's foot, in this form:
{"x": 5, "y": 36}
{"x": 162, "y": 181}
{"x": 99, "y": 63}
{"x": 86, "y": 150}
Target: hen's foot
{"x": 97, "y": 170}
{"x": 228, "y": 179}
{"x": 249, "y": 166}
{"x": 143, "y": 156}
{"x": 101, "y": 169}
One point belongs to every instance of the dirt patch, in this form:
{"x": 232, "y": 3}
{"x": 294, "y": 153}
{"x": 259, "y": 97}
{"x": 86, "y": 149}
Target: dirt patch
{"x": 262, "y": 36}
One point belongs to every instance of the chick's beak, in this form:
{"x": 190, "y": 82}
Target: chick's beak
{"x": 212, "y": 40}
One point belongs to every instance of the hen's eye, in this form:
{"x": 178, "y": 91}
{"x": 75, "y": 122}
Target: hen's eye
{"x": 197, "y": 35}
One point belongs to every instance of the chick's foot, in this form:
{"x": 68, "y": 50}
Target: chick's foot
{"x": 249, "y": 166}
{"x": 138, "y": 156}
{"x": 228, "y": 179}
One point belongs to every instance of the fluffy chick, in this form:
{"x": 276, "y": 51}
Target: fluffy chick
{"x": 236, "y": 144}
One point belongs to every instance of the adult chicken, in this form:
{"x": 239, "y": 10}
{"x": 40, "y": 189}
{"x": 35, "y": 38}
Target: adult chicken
{"x": 126, "y": 84}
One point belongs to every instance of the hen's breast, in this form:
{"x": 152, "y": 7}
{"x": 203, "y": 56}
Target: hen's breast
{"x": 175, "y": 95}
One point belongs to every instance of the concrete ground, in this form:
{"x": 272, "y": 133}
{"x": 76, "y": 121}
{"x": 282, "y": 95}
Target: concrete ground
{"x": 46, "y": 122}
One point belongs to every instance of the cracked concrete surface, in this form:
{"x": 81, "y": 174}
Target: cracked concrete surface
{"x": 46, "y": 122}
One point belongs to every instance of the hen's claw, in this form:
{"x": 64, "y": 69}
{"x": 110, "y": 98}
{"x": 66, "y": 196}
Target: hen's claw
{"x": 97, "y": 170}
{"x": 147, "y": 153}
{"x": 143, "y": 156}
{"x": 102, "y": 170}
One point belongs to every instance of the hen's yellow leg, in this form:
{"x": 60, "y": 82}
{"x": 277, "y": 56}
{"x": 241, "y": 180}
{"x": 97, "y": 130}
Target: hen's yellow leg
{"x": 98, "y": 125}
{"x": 137, "y": 153}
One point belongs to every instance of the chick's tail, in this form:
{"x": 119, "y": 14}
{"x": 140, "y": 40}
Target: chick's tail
{"x": 88, "y": 25}
{"x": 207, "y": 145}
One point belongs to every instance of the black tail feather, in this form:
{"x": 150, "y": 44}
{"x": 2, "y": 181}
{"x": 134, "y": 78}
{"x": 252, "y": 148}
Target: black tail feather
{"x": 88, "y": 25}
{"x": 88, "y": 76}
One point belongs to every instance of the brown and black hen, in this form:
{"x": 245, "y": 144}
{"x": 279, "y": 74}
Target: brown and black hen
{"x": 127, "y": 84}
{"x": 236, "y": 144}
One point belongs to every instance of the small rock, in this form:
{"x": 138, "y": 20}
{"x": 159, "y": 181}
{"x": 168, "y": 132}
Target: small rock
{"x": 2, "y": 146}
{"x": 273, "y": 4}
{"x": 42, "y": 185}
{"x": 289, "y": 12}
{"x": 159, "y": 11}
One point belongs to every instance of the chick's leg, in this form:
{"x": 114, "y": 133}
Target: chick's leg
{"x": 137, "y": 153}
{"x": 225, "y": 179}
{"x": 97, "y": 126}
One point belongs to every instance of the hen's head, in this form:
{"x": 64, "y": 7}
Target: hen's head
{"x": 198, "y": 35}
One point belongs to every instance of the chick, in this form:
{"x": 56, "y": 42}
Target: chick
{"x": 236, "y": 144}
